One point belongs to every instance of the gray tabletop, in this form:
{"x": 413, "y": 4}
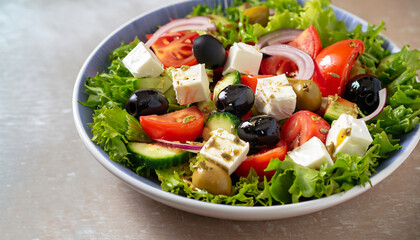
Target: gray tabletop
{"x": 51, "y": 187}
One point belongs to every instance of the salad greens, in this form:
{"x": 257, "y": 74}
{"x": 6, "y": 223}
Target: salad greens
{"x": 113, "y": 127}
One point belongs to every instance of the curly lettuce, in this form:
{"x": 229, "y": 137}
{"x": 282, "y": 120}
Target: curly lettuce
{"x": 113, "y": 128}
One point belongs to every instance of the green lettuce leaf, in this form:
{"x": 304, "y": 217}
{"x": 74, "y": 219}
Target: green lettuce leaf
{"x": 113, "y": 128}
{"x": 394, "y": 65}
{"x": 408, "y": 77}
{"x": 398, "y": 72}
{"x": 406, "y": 95}
{"x": 395, "y": 121}
{"x": 291, "y": 181}
{"x": 385, "y": 143}
{"x": 105, "y": 88}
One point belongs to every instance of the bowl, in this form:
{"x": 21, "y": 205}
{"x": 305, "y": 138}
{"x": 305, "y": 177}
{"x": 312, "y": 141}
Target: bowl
{"x": 146, "y": 23}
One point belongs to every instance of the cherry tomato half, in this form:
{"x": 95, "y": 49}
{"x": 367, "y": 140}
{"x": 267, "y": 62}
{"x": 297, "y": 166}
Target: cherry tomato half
{"x": 308, "y": 41}
{"x": 277, "y": 65}
{"x": 182, "y": 125}
{"x": 333, "y": 65}
{"x": 301, "y": 127}
{"x": 175, "y": 49}
{"x": 259, "y": 161}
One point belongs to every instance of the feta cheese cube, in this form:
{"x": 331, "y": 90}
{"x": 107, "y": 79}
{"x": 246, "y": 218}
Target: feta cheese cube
{"x": 191, "y": 84}
{"x": 312, "y": 154}
{"x": 142, "y": 62}
{"x": 348, "y": 135}
{"x": 225, "y": 149}
{"x": 275, "y": 97}
{"x": 243, "y": 58}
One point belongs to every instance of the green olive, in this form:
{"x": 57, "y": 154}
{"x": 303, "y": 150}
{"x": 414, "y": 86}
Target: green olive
{"x": 210, "y": 177}
{"x": 258, "y": 14}
{"x": 308, "y": 95}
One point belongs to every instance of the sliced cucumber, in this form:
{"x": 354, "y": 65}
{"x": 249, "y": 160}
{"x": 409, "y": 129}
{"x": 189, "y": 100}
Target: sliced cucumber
{"x": 224, "y": 120}
{"x": 156, "y": 156}
{"x": 337, "y": 106}
{"x": 230, "y": 79}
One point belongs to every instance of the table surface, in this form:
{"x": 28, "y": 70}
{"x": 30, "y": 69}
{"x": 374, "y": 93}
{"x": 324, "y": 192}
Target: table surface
{"x": 51, "y": 187}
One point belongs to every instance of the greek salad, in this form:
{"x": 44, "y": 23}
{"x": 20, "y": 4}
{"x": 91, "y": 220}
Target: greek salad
{"x": 256, "y": 104}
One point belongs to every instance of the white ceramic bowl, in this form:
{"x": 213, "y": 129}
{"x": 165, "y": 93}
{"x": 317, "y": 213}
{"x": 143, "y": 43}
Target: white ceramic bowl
{"x": 146, "y": 23}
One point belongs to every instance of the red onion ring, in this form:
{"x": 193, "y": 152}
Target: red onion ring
{"x": 279, "y": 36}
{"x": 184, "y": 146}
{"x": 303, "y": 61}
{"x": 381, "y": 105}
{"x": 195, "y": 23}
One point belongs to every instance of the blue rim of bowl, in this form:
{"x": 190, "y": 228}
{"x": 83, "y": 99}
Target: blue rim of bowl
{"x": 153, "y": 190}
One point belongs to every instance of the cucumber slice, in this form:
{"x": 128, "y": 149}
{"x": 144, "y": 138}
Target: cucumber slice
{"x": 337, "y": 106}
{"x": 230, "y": 79}
{"x": 224, "y": 120}
{"x": 156, "y": 156}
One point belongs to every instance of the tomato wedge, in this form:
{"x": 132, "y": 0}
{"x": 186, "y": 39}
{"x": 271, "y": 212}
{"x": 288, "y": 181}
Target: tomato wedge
{"x": 301, "y": 127}
{"x": 333, "y": 65}
{"x": 175, "y": 49}
{"x": 259, "y": 161}
{"x": 308, "y": 41}
{"x": 277, "y": 65}
{"x": 182, "y": 125}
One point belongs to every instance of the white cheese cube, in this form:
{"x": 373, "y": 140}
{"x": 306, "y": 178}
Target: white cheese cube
{"x": 243, "y": 58}
{"x": 275, "y": 97}
{"x": 142, "y": 62}
{"x": 312, "y": 154}
{"x": 191, "y": 84}
{"x": 225, "y": 149}
{"x": 349, "y": 135}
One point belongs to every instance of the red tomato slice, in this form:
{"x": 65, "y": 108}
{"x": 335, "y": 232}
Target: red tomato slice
{"x": 301, "y": 127}
{"x": 182, "y": 125}
{"x": 277, "y": 65}
{"x": 260, "y": 160}
{"x": 252, "y": 80}
{"x": 333, "y": 65}
{"x": 308, "y": 41}
{"x": 175, "y": 49}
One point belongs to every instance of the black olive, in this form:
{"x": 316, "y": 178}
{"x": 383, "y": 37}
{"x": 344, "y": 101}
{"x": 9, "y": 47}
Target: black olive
{"x": 146, "y": 102}
{"x": 260, "y": 131}
{"x": 363, "y": 90}
{"x": 210, "y": 51}
{"x": 237, "y": 99}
